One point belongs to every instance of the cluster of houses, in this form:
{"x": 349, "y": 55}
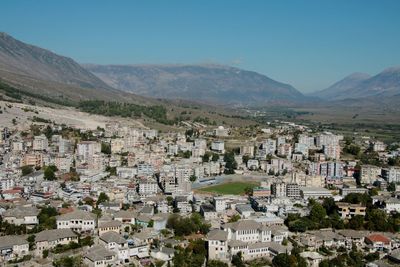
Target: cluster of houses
{"x": 147, "y": 176}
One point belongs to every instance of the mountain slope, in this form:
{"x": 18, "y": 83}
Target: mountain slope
{"x": 384, "y": 84}
{"x": 41, "y": 72}
{"x": 342, "y": 86}
{"x": 204, "y": 83}
{"x": 21, "y": 58}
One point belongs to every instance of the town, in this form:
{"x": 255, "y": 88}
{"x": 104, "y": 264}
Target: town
{"x": 280, "y": 194}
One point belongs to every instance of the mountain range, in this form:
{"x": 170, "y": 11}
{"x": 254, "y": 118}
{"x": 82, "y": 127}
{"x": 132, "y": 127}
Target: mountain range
{"x": 360, "y": 85}
{"x": 42, "y": 72}
{"x": 204, "y": 83}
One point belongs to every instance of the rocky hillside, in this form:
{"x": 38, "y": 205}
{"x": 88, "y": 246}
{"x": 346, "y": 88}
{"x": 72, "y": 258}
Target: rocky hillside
{"x": 203, "y": 83}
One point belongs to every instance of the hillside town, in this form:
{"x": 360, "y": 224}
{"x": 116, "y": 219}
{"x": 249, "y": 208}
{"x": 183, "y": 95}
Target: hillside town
{"x": 279, "y": 194}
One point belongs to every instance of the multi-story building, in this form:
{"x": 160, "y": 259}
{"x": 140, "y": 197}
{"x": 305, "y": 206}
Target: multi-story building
{"x": 293, "y": 190}
{"x": 332, "y": 151}
{"x": 391, "y": 174}
{"x": 147, "y": 188}
{"x": 13, "y": 247}
{"x": 301, "y": 148}
{"x": 48, "y": 239}
{"x": 21, "y": 215}
{"x": 40, "y": 143}
{"x": 347, "y": 210}
{"x": 219, "y": 204}
{"x": 247, "y": 150}
{"x": 6, "y": 184}
{"x": 85, "y": 150}
{"x": 369, "y": 174}
{"x": 218, "y": 146}
{"x": 78, "y": 221}
{"x": 35, "y": 159}
{"x": 314, "y": 192}
{"x": 378, "y": 146}
{"x": 285, "y": 150}
{"x": 269, "y": 147}
{"x": 247, "y": 236}
{"x": 306, "y": 140}
{"x": 278, "y": 189}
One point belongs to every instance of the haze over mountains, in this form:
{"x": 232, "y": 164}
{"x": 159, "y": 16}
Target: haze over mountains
{"x": 41, "y": 71}
{"x": 361, "y": 85}
{"x": 205, "y": 83}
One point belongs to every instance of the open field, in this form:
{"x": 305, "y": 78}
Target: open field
{"x": 231, "y": 188}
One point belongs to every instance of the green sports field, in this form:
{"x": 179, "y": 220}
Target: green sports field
{"x": 232, "y": 188}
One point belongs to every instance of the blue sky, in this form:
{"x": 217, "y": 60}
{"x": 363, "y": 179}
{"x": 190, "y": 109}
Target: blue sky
{"x": 309, "y": 44}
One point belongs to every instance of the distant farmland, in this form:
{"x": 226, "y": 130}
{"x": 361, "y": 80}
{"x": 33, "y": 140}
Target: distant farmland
{"x": 232, "y": 188}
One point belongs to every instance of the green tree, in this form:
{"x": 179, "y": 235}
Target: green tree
{"x": 357, "y": 222}
{"x": 49, "y": 173}
{"x": 237, "y": 260}
{"x": 206, "y": 157}
{"x": 27, "y": 169}
{"x": 102, "y": 198}
{"x": 106, "y": 148}
{"x": 281, "y": 260}
{"x": 215, "y": 157}
{"x": 216, "y": 263}
{"x": 317, "y": 213}
{"x": 330, "y": 206}
{"x": 193, "y": 178}
{"x": 234, "y": 218}
{"x": 391, "y": 187}
{"x": 230, "y": 163}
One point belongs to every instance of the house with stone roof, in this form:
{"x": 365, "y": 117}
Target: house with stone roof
{"x": 48, "y": 239}
{"x": 115, "y": 242}
{"x": 13, "y": 247}
{"x": 78, "y": 221}
{"x": 251, "y": 238}
{"x": 99, "y": 256}
{"x": 22, "y": 215}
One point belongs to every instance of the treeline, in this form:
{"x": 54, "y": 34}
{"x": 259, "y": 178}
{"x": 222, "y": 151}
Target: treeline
{"x": 18, "y": 95}
{"x": 157, "y": 113}
{"x": 188, "y": 225}
{"x": 326, "y": 215}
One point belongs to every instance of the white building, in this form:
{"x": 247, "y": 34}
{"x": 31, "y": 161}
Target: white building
{"x": 148, "y": 188}
{"x": 247, "y": 236}
{"x": 391, "y": 174}
{"x": 85, "y": 150}
{"x": 218, "y": 146}
{"x": 314, "y": 192}
{"x": 78, "y": 221}
{"x": 219, "y": 204}
{"x": 369, "y": 173}
{"x": 40, "y": 143}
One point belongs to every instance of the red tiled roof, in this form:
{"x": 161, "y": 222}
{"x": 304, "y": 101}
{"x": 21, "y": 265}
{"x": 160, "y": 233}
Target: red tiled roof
{"x": 378, "y": 238}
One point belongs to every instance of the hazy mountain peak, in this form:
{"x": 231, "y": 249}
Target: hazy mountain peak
{"x": 358, "y": 75}
{"x": 360, "y": 85}
{"x": 394, "y": 69}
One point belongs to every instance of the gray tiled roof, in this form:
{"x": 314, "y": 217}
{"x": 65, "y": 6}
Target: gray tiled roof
{"x": 112, "y": 237}
{"x": 9, "y": 241}
{"x": 98, "y": 253}
{"x": 217, "y": 234}
{"x": 77, "y": 215}
{"x": 21, "y": 212}
{"x": 243, "y": 225}
{"x": 52, "y": 235}
{"x": 110, "y": 224}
